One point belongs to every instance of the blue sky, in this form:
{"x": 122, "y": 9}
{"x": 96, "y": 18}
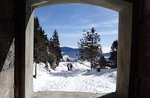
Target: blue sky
{"x": 71, "y": 19}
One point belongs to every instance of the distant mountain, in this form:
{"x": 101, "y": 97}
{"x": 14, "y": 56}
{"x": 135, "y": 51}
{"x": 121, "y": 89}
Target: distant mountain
{"x": 106, "y": 54}
{"x": 74, "y": 52}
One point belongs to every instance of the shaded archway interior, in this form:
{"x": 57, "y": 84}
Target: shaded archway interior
{"x": 15, "y": 17}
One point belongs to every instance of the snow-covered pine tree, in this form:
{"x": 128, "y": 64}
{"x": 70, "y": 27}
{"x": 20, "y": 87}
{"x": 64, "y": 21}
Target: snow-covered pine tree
{"x": 40, "y": 43}
{"x": 102, "y": 62}
{"x": 55, "y": 46}
{"x": 113, "y": 53}
{"x": 89, "y": 47}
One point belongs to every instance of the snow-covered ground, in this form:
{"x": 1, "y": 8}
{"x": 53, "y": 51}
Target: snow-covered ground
{"x": 80, "y": 79}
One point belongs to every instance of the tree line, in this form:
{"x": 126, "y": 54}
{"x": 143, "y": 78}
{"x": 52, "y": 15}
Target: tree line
{"x": 47, "y": 50}
{"x": 91, "y": 50}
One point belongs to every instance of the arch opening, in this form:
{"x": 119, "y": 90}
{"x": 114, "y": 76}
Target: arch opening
{"x": 125, "y": 28}
{"x": 71, "y": 25}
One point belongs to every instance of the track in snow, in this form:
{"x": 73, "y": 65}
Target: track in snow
{"x": 80, "y": 79}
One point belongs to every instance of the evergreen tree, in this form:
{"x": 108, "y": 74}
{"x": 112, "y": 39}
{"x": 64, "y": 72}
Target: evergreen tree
{"x": 113, "y": 53}
{"x": 102, "y": 62}
{"x": 89, "y": 47}
{"x": 36, "y": 24}
{"x": 40, "y": 43}
{"x": 55, "y": 46}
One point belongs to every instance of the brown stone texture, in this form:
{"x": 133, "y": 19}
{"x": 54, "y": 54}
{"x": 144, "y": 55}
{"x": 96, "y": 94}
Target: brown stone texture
{"x": 144, "y": 51}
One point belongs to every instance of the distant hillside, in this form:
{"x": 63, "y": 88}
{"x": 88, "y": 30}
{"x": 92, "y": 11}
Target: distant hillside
{"x": 106, "y": 54}
{"x": 74, "y": 52}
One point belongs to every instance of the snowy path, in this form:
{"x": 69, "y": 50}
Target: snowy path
{"x": 79, "y": 79}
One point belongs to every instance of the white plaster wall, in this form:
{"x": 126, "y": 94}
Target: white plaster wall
{"x": 29, "y": 38}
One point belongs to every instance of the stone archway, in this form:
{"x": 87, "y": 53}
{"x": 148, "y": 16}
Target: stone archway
{"x": 125, "y": 31}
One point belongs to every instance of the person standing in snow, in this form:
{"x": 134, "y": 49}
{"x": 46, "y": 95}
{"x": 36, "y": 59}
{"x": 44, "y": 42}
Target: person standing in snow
{"x": 69, "y": 66}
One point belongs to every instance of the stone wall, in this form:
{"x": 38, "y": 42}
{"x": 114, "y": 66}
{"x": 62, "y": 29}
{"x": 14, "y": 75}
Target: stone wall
{"x": 7, "y": 49}
{"x": 6, "y": 28}
{"x": 144, "y": 51}
{"x": 124, "y": 52}
{"x": 7, "y": 75}
{"x": 140, "y": 56}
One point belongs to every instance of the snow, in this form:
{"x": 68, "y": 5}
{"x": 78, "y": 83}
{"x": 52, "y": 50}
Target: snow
{"x": 65, "y": 57}
{"x": 80, "y": 79}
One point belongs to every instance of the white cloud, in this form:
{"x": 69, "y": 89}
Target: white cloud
{"x": 44, "y": 18}
{"x": 112, "y": 21}
{"x": 110, "y": 32}
{"x": 71, "y": 35}
{"x": 105, "y": 49}
{"x": 85, "y": 24}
